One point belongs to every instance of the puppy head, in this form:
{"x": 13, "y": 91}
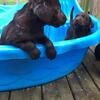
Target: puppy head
{"x": 48, "y": 11}
{"x": 83, "y": 20}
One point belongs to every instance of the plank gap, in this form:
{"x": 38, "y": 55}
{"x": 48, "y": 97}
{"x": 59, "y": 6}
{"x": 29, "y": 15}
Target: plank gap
{"x": 70, "y": 88}
{"x": 9, "y": 95}
{"x": 42, "y": 93}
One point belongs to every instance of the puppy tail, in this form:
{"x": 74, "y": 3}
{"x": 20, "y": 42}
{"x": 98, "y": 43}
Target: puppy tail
{"x": 71, "y": 16}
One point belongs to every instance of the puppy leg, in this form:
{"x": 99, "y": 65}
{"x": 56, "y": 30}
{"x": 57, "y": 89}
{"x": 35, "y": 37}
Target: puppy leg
{"x": 30, "y": 48}
{"x": 50, "y": 50}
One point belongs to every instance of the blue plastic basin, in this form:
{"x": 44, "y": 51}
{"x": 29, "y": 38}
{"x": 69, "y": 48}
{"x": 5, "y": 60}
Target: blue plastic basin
{"x": 17, "y": 70}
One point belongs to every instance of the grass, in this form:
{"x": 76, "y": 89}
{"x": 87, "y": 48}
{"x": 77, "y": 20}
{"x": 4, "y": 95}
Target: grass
{"x": 12, "y": 1}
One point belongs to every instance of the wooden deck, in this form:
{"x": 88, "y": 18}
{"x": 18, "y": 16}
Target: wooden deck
{"x": 82, "y": 84}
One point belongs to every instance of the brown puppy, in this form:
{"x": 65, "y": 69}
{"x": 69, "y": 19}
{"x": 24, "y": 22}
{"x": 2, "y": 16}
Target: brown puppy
{"x": 80, "y": 26}
{"x": 27, "y": 27}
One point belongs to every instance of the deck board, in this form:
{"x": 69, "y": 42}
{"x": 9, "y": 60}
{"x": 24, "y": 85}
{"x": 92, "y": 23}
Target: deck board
{"x": 27, "y": 94}
{"x": 4, "y": 95}
{"x": 58, "y": 90}
{"x": 82, "y": 84}
{"x": 76, "y": 88}
{"x": 87, "y": 84}
{"x": 93, "y": 68}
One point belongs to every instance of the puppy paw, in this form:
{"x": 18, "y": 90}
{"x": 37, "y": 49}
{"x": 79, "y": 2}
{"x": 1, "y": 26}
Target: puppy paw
{"x": 51, "y": 53}
{"x": 35, "y": 54}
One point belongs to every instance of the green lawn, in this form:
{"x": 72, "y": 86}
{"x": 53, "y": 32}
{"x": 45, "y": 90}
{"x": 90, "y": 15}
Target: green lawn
{"x": 12, "y": 1}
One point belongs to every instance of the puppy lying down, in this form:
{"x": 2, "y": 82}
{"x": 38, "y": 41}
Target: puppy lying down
{"x": 27, "y": 27}
{"x": 80, "y": 26}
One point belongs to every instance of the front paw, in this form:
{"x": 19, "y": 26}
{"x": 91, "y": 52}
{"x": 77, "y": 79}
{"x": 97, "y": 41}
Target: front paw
{"x": 35, "y": 54}
{"x": 51, "y": 53}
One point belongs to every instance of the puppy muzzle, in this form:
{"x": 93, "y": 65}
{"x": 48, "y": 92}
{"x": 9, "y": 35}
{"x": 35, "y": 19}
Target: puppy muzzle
{"x": 59, "y": 19}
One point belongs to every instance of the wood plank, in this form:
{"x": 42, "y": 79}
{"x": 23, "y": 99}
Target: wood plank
{"x": 78, "y": 92}
{"x": 87, "y": 84}
{"x": 58, "y": 90}
{"x": 92, "y": 48}
{"x": 96, "y": 63}
{"x": 4, "y": 95}
{"x": 93, "y": 68}
{"x": 27, "y": 94}
{"x": 91, "y": 54}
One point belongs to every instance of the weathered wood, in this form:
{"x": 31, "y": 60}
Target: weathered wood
{"x": 58, "y": 90}
{"x": 76, "y": 87}
{"x": 92, "y": 48}
{"x": 27, "y": 94}
{"x": 93, "y": 68}
{"x": 4, "y": 95}
{"x": 87, "y": 84}
{"x": 91, "y": 5}
{"x": 91, "y": 54}
{"x": 87, "y": 5}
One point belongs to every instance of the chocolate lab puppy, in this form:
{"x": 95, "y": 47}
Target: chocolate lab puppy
{"x": 27, "y": 27}
{"x": 80, "y": 26}
{"x": 97, "y": 52}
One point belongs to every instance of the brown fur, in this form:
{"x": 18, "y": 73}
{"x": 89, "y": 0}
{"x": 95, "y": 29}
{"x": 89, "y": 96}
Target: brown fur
{"x": 27, "y": 27}
{"x": 80, "y": 26}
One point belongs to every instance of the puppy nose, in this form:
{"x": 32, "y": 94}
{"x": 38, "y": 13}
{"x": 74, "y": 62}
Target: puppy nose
{"x": 63, "y": 19}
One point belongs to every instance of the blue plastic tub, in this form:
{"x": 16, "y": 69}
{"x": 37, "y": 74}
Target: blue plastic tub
{"x": 17, "y": 70}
